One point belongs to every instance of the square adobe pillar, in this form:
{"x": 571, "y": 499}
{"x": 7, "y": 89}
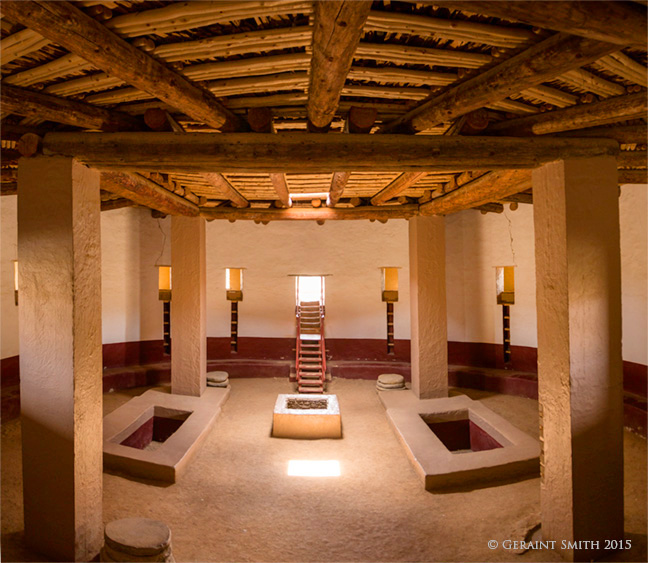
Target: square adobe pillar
{"x": 429, "y": 330}
{"x": 188, "y": 306}
{"x": 59, "y": 252}
{"x": 578, "y": 278}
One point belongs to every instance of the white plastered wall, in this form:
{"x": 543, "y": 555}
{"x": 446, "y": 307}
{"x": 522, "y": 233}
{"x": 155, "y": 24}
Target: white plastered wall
{"x": 476, "y": 244}
{"x": 351, "y": 252}
{"x": 8, "y": 253}
{"x": 633, "y": 208}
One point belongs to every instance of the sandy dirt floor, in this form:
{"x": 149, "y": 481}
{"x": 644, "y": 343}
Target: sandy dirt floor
{"x": 236, "y": 502}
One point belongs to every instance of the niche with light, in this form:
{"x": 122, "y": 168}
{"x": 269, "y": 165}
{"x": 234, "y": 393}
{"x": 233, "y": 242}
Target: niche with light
{"x": 164, "y": 294}
{"x": 234, "y": 294}
{"x": 390, "y": 296}
{"x": 505, "y": 289}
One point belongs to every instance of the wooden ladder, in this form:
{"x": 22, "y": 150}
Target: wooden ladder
{"x": 310, "y": 363}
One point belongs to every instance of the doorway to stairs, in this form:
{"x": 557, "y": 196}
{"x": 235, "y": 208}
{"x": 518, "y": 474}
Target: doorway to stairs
{"x": 310, "y": 289}
{"x": 311, "y": 348}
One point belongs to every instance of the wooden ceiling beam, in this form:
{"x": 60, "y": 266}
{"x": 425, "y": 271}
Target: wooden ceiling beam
{"x": 312, "y": 214}
{"x": 280, "y": 186}
{"x": 633, "y": 176}
{"x": 624, "y": 134}
{"x": 490, "y": 187}
{"x": 143, "y": 191}
{"x": 315, "y": 153}
{"x": 52, "y": 108}
{"x": 336, "y": 33}
{"x": 622, "y": 23}
{"x": 64, "y": 24}
{"x": 159, "y": 119}
{"x": 395, "y": 188}
{"x": 542, "y": 62}
{"x": 612, "y": 110}
{"x": 118, "y": 203}
{"x": 359, "y": 120}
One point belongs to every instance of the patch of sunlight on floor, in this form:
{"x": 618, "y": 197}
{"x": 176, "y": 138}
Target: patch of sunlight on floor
{"x": 313, "y": 468}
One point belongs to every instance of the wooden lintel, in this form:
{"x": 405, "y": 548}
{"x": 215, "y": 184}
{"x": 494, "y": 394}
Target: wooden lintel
{"x": 403, "y": 182}
{"x": 337, "y": 29}
{"x": 611, "y": 110}
{"x": 229, "y": 191}
{"x": 281, "y": 187}
{"x": 622, "y": 23}
{"x": 540, "y": 63}
{"x": 66, "y": 25}
{"x": 312, "y": 214}
{"x": 143, "y": 191}
{"x": 61, "y": 110}
{"x": 315, "y": 153}
{"x": 490, "y": 187}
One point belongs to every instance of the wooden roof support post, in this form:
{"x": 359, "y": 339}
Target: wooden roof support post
{"x": 623, "y": 23}
{"x": 337, "y": 30}
{"x": 61, "y": 110}
{"x": 65, "y": 24}
{"x": 612, "y": 110}
{"x": 540, "y": 63}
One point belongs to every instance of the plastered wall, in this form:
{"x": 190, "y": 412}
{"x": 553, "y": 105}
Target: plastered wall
{"x": 8, "y": 253}
{"x": 633, "y": 208}
{"x": 352, "y": 252}
{"x": 476, "y": 244}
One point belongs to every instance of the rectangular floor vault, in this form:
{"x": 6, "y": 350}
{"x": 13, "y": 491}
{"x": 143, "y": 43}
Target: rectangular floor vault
{"x": 122, "y": 446}
{"x": 512, "y": 453}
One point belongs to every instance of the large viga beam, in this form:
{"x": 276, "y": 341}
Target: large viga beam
{"x": 313, "y": 153}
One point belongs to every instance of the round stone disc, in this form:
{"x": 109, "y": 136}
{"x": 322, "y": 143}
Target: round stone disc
{"x": 391, "y": 379}
{"x": 390, "y": 387}
{"x": 217, "y": 376}
{"x": 137, "y": 536}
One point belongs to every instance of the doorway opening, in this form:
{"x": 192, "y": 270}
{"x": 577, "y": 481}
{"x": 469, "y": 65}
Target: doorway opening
{"x": 310, "y": 289}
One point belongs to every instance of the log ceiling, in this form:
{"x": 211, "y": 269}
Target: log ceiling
{"x": 302, "y": 110}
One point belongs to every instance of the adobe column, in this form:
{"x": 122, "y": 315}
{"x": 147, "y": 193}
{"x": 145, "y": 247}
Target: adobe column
{"x": 429, "y": 333}
{"x": 188, "y": 306}
{"x": 59, "y": 254}
{"x": 578, "y": 278}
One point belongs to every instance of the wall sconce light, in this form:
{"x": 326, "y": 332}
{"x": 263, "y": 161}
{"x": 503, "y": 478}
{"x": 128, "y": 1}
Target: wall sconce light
{"x": 390, "y": 285}
{"x": 505, "y": 285}
{"x": 15, "y": 265}
{"x": 505, "y": 289}
{"x": 234, "y": 284}
{"x": 164, "y": 283}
